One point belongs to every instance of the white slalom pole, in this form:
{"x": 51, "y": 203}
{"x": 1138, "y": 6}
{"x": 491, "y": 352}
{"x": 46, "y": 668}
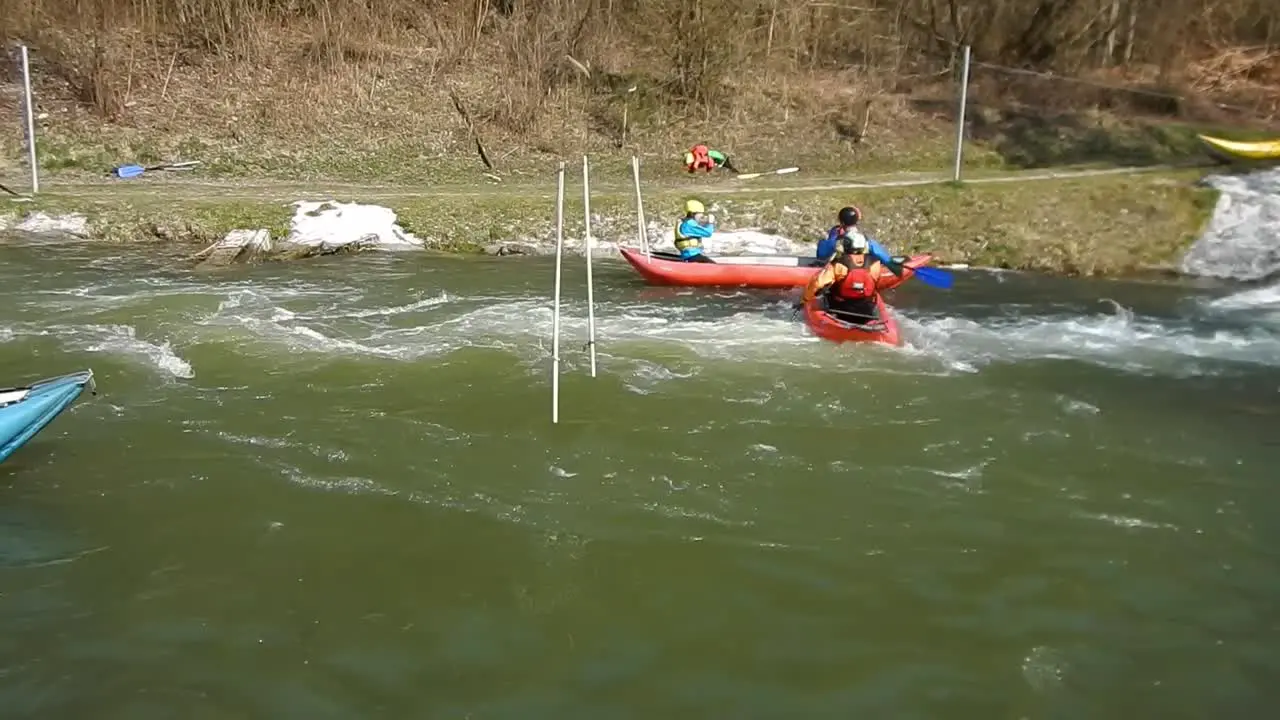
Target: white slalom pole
{"x": 555, "y": 313}
{"x": 31, "y": 121}
{"x": 642, "y": 230}
{"x": 586, "y": 236}
{"x": 964, "y": 102}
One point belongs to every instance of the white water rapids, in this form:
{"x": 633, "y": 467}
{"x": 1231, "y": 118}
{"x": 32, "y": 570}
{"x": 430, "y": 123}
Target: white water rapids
{"x": 108, "y": 306}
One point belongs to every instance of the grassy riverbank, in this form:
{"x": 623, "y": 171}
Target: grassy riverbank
{"x": 1099, "y": 224}
{"x": 389, "y": 103}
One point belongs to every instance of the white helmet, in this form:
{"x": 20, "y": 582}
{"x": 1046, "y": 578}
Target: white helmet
{"x": 856, "y": 243}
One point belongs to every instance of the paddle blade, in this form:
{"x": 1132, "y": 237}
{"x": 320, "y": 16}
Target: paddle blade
{"x": 779, "y": 171}
{"x": 129, "y": 171}
{"x": 935, "y": 277}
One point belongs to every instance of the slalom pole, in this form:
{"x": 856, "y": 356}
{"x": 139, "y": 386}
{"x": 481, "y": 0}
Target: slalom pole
{"x": 28, "y": 107}
{"x": 586, "y": 235}
{"x": 641, "y": 230}
{"x": 555, "y": 313}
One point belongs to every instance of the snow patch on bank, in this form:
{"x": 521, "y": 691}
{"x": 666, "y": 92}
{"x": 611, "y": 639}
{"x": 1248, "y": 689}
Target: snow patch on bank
{"x": 317, "y": 228}
{"x": 44, "y": 224}
{"x": 1242, "y": 240}
{"x": 331, "y": 225}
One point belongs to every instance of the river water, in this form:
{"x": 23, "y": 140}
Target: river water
{"x": 331, "y": 489}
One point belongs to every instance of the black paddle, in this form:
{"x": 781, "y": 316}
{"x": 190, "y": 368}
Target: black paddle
{"x": 2, "y": 187}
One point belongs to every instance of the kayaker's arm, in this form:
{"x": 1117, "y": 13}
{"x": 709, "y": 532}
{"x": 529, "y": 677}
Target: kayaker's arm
{"x": 885, "y": 258}
{"x": 695, "y": 229}
{"x": 828, "y": 246}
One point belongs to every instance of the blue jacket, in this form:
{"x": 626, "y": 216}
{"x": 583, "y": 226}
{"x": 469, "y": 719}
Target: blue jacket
{"x": 690, "y": 228}
{"x": 827, "y": 247}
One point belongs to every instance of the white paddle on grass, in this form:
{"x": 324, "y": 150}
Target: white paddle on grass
{"x": 779, "y": 171}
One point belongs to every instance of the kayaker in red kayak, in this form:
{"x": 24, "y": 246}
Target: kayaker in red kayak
{"x": 701, "y": 157}
{"x": 853, "y": 278}
{"x": 696, "y": 226}
{"x": 849, "y": 218}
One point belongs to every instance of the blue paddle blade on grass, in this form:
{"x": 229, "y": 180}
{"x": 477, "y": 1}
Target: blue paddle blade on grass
{"x": 133, "y": 171}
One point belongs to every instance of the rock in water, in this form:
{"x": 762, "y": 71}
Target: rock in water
{"x": 237, "y": 246}
{"x": 1241, "y": 239}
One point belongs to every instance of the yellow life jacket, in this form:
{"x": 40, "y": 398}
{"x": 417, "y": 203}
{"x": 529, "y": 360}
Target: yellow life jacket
{"x": 684, "y": 242}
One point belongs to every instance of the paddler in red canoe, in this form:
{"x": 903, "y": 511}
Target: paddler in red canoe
{"x": 852, "y": 278}
{"x": 695, "y": 227}
{"x": 701, "y": 157}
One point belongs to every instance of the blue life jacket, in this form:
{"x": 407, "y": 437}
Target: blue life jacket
{"x": 831, "y": 243}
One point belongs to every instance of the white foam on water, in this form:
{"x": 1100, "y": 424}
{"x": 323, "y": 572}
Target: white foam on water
{"x": 117, "y": 340}
{"x": 1262, "y": 298}
{"x": 40, "y": 223}
{"x": 1242, "y": 240}
{"x": 412, "y": 307}
{"x": 123, "y": 340}
{"x": 650, "y": 342}
{"x": 1118, "y": 340}
{"x": 331, "y": 455}
{"x": 1126, "y": 521}
{"x": 659, "y": 342}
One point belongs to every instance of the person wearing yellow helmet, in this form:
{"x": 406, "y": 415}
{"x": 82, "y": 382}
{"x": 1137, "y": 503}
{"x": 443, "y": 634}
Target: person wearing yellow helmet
{"x": 701, "y": 157}
{"x": 695, "y": 227}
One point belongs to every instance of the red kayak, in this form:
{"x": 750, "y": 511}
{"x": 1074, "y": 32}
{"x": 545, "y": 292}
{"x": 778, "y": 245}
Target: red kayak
{"x": 753, "y": 271}
{"x": 841, "y": 329}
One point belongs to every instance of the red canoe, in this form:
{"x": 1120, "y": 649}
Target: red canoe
{"x": 852, "y": 329}
{"x": 753, "y": 271}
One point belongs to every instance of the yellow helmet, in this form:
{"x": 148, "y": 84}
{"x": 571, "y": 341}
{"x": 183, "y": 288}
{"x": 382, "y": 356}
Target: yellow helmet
{"x": 693, "y": 206}
{"x": 688, "y": 158}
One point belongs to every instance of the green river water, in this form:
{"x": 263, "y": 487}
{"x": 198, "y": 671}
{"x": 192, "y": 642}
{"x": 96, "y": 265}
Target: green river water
{"x": 331, "y": 489}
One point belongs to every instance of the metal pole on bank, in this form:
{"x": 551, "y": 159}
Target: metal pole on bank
{"x": 555, "y": 313}
{"x": 586, "y": 239}
{"x": 964, "y": 101}
{"x": 29, "y": 105}
{"x": 641, "y": 230}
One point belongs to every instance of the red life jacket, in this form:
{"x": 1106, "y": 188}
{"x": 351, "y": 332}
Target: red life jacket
{"x": 859, "y": 283}
{"x": 701, "y": 158}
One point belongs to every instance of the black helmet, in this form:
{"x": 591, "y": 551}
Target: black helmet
{"x": 850, "y": 216}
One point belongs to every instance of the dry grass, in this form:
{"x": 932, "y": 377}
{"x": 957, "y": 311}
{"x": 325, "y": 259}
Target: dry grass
{"x": 321, "y": 89}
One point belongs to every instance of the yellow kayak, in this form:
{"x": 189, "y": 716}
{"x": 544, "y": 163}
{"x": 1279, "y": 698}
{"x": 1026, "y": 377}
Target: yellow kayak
{"x": 1264, "y": 150}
